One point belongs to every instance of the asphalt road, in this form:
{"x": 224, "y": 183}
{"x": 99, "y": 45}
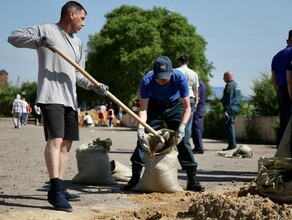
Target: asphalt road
{"x": 23, "y": 175}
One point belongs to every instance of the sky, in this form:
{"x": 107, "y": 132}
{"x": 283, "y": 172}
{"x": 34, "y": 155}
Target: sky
{"x": 242, "y": 35}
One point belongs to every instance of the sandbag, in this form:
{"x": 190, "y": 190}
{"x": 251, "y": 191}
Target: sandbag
{"x": 120, "y": 172}
{"x": 244, "y": 151}
{"x": 93, "y": 163}
{"x": 275, "y": 178}
{"x": 160, "y": 173}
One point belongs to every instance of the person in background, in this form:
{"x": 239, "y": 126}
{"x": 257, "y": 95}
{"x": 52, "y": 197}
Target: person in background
{"x": 17, "y": 107}
{"x": 101, "y": 114}
{"x": 120, "y": 115}
{"x": 25, "y": 112}
{"x": 193, "y": 84}
{"x": 56, "y": 92}
{"x": 279, "y": 81}
{"x": 164, "y": 101}
{"x": 110, "y": 114}
{"x": 231, "y": 102}
{"x": 38, "y": 114}
{"x": 198, "y": 121}
{"x": 87, "y": 120}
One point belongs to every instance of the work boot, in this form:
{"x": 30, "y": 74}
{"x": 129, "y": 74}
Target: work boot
{"x": 56, "y": 197}
{"x": 59, "y": 201}
{"x": 136, "y": 172}
{"x": 193, "y": 184}
{"x": 68, "y": 196}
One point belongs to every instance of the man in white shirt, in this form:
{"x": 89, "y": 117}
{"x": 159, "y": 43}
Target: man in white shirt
{"x": 193, "y": 83}
{"x": 87, "y": 120}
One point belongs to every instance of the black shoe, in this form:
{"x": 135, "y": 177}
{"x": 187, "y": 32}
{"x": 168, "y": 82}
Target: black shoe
{"x": 228, "y": 148}
{"x": 59, "y": 201}
{"x": 195, "y": 186}
{"x": 132, "y": 183}
{"x": 197, "y": 151}
{"x": 70, "y": 197}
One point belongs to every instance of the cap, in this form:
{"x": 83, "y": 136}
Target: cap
{"x": 18, "y": 96}
{"x": 290, "y": 34}
{"x": 162, "y": 67}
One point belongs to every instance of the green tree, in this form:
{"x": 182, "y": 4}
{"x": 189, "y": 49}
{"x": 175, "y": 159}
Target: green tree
{"x": 124, "y": 50}
{"x": 213, "y": 121}
{"x": 264, "y": 98}
{"x": 29, "y": 91}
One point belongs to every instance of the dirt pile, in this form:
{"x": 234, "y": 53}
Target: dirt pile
{"x": 242, "y": 204}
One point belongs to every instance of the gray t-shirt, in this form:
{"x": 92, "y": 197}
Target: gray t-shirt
{"x": 57, "y": 78}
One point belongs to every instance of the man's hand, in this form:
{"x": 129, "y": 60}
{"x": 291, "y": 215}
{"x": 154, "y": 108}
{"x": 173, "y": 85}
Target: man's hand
{"x": 101, "y": 89}
{"x": 45, "y": 41}
{"x": 180, "y": 133}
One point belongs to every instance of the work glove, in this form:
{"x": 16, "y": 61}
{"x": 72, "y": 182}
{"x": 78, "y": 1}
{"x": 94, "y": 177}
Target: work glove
{"x": 100, "y": 90}
{"x": 45, "y": 41}
{"x": 141, "y": 136}
{"x": 180, "y": 133}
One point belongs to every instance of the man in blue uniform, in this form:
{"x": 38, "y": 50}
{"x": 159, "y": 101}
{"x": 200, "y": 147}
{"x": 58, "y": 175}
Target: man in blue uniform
{"x": 198, "y": 120}
{"x": 231, "y": 101}
{"x": 164, "y": 99}
{"x": 279, "y": 66}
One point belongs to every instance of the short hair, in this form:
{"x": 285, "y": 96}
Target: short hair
{"x": 183, "y": 59}
{"x": 71, "y": 5}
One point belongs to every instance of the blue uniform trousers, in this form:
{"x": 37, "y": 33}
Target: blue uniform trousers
{"x": 197, "y": 130}
{"x": 230, "y": 132}
{"x": 166, "y": 115}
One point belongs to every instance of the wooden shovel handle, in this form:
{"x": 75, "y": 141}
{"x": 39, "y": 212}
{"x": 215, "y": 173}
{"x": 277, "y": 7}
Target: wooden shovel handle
{"x": 108, "y": 93}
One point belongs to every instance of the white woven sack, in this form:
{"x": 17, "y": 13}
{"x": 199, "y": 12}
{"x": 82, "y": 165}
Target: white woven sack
{"x": 160, "y": 174}
{"x": 120, "y": 172}
{"x": 93, "y": 163}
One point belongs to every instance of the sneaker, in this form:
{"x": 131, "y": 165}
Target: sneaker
{"x": 59, "y": 201}
{"x": 70, "y": 197}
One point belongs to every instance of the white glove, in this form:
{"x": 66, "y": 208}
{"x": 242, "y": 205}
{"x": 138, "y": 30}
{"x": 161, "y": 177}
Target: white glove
{"x": 101, "y": 89}
{"x": 45, "y": 41}
{"x": 180, "y": 133}
{"x": 140, "y": 135}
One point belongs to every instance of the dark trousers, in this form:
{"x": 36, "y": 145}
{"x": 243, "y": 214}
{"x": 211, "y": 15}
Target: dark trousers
{"x": 197, "y": 130}
{"x": 189, "y": 126}
{"x": 230, "y": 132}
{"x": 160, "y": 115}
{"x": 284, "y": 112}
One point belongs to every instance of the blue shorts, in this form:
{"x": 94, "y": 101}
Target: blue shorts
{"x": 60, "y": 122}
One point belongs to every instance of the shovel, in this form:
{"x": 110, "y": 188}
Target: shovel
{"x": 157, "y": 137}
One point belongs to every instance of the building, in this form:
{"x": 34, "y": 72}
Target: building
{"x": 3, "y": 78}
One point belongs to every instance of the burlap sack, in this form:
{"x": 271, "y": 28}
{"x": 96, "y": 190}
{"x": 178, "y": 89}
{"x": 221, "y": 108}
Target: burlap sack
{"x": 93, "y": 163}
{"x": 160, "y": 174}
{"x": 275, "y": 178}
{"x": 120, "y": 172}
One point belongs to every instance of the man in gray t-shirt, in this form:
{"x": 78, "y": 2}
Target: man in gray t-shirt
{"x": 56, "y": 93}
